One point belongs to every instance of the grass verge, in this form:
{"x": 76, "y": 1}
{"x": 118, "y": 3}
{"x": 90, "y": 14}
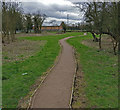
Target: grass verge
{"x": 100, "y": 70}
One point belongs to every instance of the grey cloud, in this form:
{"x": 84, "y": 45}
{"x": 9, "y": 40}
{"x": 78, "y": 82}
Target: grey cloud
{"x": 53, "y": 10}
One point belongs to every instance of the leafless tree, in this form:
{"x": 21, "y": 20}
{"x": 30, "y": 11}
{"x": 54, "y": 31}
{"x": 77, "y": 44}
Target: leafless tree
{"x": 10, "y": 13}
{"x": 102, "y": 18}
{"x": 38, "y": 21}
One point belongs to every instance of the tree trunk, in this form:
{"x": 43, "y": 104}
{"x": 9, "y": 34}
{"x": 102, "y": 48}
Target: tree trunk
{"x": 114, "y": 46}
{"x": 15, "y": 31}
{"x": 40, "y": 31}
{"x": 3, "y": 36}
{"x": 27, "y": 31}
{"x": 119, "y": 48}
{"x": 94, "y": 37}
{"x": 13, "y": 37}
{"x": 3, "y": 41}
{"x": 40, "y": 28}
{"x": 8, "y": 39}
{"x": 100, "y": 42}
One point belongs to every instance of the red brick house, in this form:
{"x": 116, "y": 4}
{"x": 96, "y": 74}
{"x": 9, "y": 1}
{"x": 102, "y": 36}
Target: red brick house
{"x": 52, "y": 28}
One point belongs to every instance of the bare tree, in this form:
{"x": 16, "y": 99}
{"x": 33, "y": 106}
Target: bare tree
{"x": 10, "y": 14}
{"x": 102, "y": 18}
{"x": 64, "y": 26}
{"x": 53, "y": 22}
{"x": 38, "y": 21}
{"x": 29, "y": 23}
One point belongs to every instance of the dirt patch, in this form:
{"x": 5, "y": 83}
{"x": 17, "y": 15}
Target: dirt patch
{"x": 106, "y": 43}
{"x": 33, "y": 34}
{"x": 79, "y": 99}
{"x": 20, "y": 50}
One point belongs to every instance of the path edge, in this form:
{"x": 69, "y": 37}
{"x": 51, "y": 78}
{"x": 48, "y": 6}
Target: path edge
{"x": 42, "y": 81}
{"x": 47, "y": 73}
{"x": 74, "y": 77}
{"x": 74, "y": 52}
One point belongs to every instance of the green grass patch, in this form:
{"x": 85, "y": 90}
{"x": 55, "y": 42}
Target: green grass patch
{"x": 15, "y": 84}
{"x": 100, "y": 74}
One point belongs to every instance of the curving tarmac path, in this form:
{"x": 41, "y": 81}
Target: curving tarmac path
{"x": 55, "y": 92}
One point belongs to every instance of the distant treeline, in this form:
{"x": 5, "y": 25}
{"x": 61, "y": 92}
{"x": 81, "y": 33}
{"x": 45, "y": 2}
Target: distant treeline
{"x": 99, "y": 18}
{"x": 14, "y": 19}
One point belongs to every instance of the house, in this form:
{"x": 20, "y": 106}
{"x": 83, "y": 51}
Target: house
{"x": 52, "y": 28}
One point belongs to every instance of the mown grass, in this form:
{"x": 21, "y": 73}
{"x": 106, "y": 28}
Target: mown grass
{"x": 15, "y": 85}
{"x": 100, "y": 75}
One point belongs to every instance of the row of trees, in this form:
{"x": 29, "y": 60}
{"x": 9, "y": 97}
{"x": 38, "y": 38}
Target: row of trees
{"x": 35, "y": 20}
{"x": 10, "y": 16}
{"x": 102, "y": 18}
{"x": 13, "y": 19}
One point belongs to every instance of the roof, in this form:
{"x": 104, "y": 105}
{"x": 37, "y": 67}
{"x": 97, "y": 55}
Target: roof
{"x": 50, "y": 26}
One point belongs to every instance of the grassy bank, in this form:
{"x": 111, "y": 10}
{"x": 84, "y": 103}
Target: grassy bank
{"x": 19, "y": 76}
{"x": 100, "y": 75}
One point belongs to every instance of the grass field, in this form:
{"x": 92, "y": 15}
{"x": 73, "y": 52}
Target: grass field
{"x": 16, "y": 84}
{"x": 20, "y": 50}
{"x": 100, "y": 70}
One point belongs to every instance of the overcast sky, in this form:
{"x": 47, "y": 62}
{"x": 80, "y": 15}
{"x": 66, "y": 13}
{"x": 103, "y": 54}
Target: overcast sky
{"x": 55, "y": 10}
